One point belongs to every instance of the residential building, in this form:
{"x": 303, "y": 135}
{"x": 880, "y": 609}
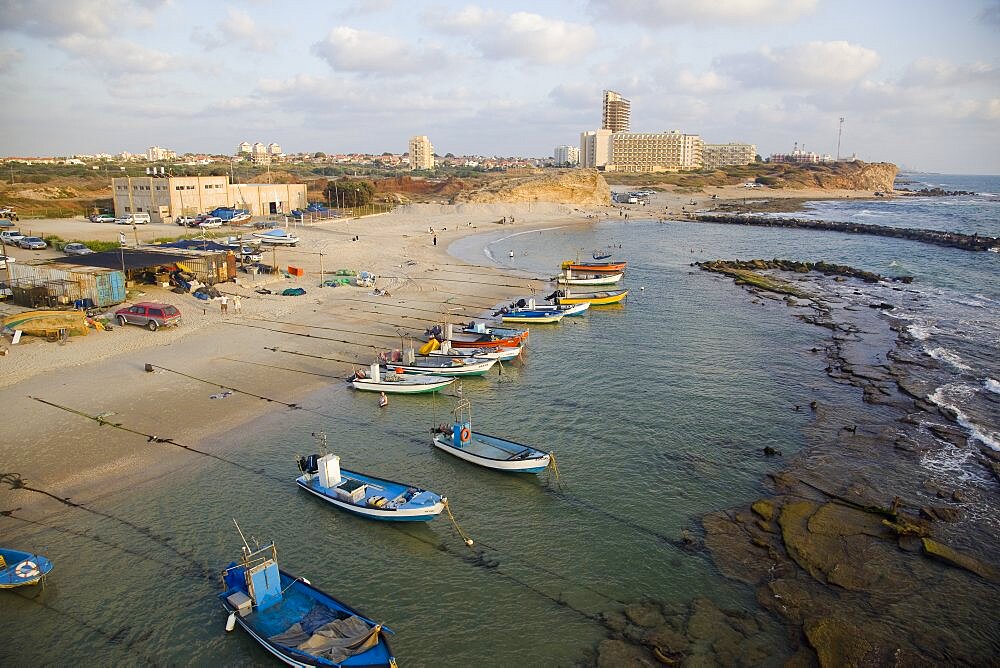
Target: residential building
{"x": 714, "y": 156}
{"x": 274, "y": 149}
{"x": 244, "y": 147}
{"x": 166, "y": 198}
{"x": 654, "y": 152}
{"x": 155, "y": 153}
{"x": 617, "y": 112}
{"x": 566, "y": 155}
{"x": 595, "y": 148}
{"x": 259, "y": 154}
{"x": 421, "y": 153}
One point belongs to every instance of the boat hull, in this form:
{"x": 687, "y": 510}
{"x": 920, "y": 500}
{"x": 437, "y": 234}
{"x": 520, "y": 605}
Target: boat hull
{"x": 469, "y": 368}
{"x": 595, "y": 267}
{"x": 22, "y": 568}
{"x": 425, "y": 514}
{"x": 609, "y": 279}
{"x": 514, "y": 342}
{"x": 536, "y": 463}
{"x": 502, "y": 354}
{"x": 415, "y": 385}
{"x": 540, "y": 317}
{"x": 595, "y": 298}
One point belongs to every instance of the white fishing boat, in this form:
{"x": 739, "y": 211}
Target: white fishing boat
{"x": 276, "y": 238}
{"x": 492, "y": 452}
{"x": 569, "y": 278}
{"x": 393, "y": 383}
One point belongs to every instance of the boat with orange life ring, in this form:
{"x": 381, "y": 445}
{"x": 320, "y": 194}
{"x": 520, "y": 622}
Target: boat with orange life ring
{"x": 21, "y": 568}
{"x": 492, "y": 452}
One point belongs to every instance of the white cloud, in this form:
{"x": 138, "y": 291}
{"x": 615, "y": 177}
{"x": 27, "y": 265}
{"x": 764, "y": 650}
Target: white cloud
{"x": 703, "y": 13}
{"x": 61, "y": 18}
{"x": 810, "y": 65}
{"x": 519, "y": 36}
{"x": 115, "y": 56}
{"x": 352, "y": 50}
{"x": 237, "y": 28}
{"x": 941, "y": 73}
{"x": 9, "y": 58}
{"x": 708, "y": 82}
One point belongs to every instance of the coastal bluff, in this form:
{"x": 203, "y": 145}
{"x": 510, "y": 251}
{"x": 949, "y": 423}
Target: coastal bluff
{"x": 857, "y": 175}
{"x": 582, "y": 187}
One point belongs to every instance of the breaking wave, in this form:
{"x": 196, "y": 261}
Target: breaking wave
{"x": 942, "y": 355}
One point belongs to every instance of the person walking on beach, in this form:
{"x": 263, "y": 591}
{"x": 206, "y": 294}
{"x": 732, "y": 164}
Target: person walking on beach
{"x": 237, "y": 305}
{"x": 224, "y": 304}
{"x": 435, "y": 240}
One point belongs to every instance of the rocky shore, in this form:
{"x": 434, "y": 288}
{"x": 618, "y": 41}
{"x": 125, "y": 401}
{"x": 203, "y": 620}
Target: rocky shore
{"x": 862, "y": 555}
{"x": 972, "y": 242}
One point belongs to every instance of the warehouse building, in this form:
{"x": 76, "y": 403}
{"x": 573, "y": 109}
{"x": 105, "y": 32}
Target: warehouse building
{"x": 167, "y": 197}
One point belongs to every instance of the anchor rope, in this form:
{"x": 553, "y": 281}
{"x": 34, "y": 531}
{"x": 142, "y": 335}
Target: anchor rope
{"x": 465, "y": 537}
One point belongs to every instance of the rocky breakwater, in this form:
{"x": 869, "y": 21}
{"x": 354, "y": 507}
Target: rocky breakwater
{"x": 581, "y": 187}
{"x": 869, "y": 556}
{"x": 972, "y": 242}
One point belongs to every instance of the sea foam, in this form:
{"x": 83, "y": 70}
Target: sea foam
{"x": 977, "y": 432}
{"x": 992, "y": 385}
{"x": 943, "y": 355}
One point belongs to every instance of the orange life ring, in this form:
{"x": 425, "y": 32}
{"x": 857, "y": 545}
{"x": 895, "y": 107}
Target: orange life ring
{"x": 465, "y": 434}
{"x": 400, "y": 370}
{"x": 27, "y": 569}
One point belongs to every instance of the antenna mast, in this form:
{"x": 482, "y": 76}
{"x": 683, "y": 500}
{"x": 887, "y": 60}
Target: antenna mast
{"x": 840, "y": 132}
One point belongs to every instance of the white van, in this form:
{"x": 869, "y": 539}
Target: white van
{"x": 137, "y": 218}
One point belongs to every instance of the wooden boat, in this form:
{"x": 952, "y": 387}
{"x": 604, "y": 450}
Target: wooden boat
{"x": 536, "y": 315}
{"x": 530, "y": 305}
{"x": 295, "y": 621}
{"x": 442, "y": 366}
{"x": 18, "y": 569}
{"x": 492, "y": 452}
{"x": 594, "y": 298}
{"x": 47, "y": 322}
{"x": 569, "y": 278}
{"x": 595, "y": 267}
{"x": 415, "y": 383}
{"x": 365, "y": 495}
{"x": 478, "y": 336}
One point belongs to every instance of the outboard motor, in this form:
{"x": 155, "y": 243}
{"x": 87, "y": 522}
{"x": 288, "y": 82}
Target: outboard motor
{"x": 309, "y": 464}
{"x": 521, "y": 303}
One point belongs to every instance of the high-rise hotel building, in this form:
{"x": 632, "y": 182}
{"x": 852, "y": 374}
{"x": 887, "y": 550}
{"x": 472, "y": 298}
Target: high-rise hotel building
{"x": 617, "y": 112}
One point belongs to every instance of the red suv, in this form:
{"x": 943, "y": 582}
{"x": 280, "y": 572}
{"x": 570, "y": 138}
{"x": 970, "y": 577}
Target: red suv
{"x": 151, "y": 315}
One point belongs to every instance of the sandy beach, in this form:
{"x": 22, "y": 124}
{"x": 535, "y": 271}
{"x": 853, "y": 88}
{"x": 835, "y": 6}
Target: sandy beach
{"x": 102, "y": 374}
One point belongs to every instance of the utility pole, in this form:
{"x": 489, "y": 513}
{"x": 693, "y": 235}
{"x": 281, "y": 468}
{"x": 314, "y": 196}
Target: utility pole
{"x": 840, "y": 132}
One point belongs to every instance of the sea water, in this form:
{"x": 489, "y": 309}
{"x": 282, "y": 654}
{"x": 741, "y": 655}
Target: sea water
{"x": 657, "y": 411}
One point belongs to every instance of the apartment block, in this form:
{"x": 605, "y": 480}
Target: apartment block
{"x": 714, "y": 156}
{"x": 154, "y": 153}
{"x": 421, "y": 153}
{"x": 166, "y": 198}
{"x": 566, "y": 155}
{"x": 595, "y": 148}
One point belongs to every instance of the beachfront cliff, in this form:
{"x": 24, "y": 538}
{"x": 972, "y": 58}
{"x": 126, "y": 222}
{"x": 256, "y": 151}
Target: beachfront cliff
{"x": 873, "y": 176}
{"x": 585, "y": 187}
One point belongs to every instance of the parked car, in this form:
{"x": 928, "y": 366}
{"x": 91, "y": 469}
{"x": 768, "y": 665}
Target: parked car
{"x": 208, "y": 221}
{"x": 102, "y": 218}
{"x": 32, "y": 243}
{"x": 184, "y": 221}
{"x": 249, "y": 254}
{"x": 137, "y": 218}
{"x": 11, "y": 236}
{"x": 76, "y": 249}
{"x": 4, "y": 259}
{"x": 151, "y": 315}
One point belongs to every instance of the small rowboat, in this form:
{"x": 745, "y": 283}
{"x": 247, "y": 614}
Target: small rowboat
{"x": 442, "y": 366}
{"x": 365, "y": 495}
{"x": 21, "y": 568}
{"x": 594, "y": 298}
{"x": 532, "y": 315}
{"x": 589, "y": 279}
{"x": 415, "y": 383}
{"x": 492, "y": 452}
{"x": 479, "y": 328}
{"x": 295, "y": 621}
{"x": 595, "y": 267}
{"x": 530, "y": 305}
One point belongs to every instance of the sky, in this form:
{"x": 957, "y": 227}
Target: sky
{"x": 917, "y": 81}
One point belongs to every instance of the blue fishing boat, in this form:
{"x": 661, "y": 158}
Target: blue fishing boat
{"x": 522, "y": 305}
{"x": 295, "y": 621}
{"x": 21, "y": 568}
{"x": 492, "y": 452}
{"x": 366, "y": 495}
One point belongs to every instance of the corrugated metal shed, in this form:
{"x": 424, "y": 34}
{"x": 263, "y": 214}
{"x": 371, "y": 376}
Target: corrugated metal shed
{"x": 55, "y": 283}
